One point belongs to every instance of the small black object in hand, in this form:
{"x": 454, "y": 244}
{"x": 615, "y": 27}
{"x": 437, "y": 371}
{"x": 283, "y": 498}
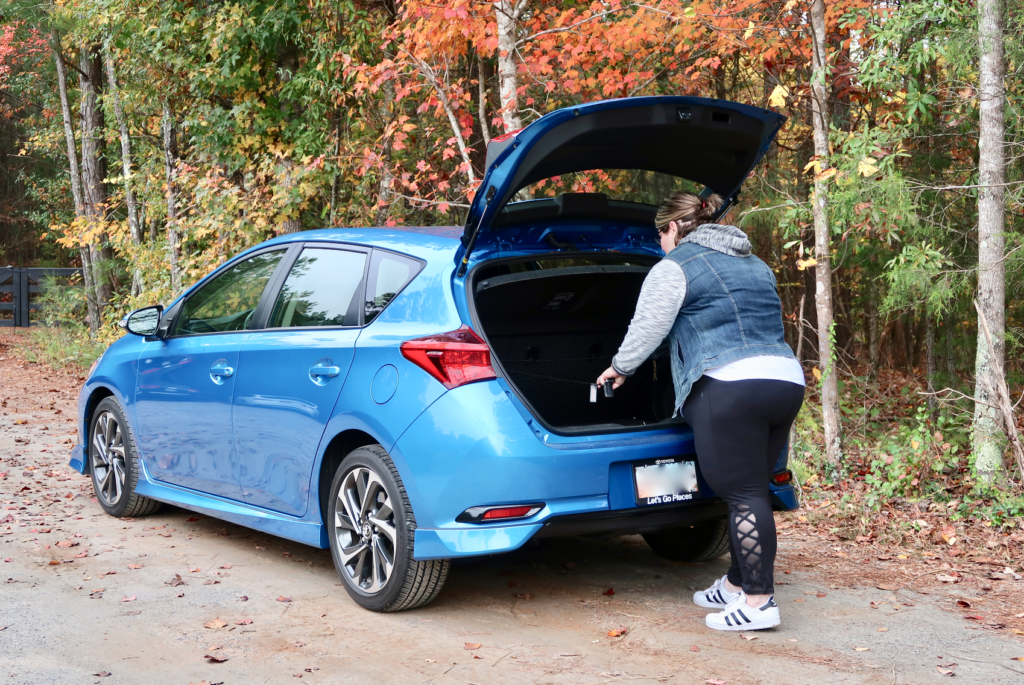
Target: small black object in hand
{"x": 609, "y": 391}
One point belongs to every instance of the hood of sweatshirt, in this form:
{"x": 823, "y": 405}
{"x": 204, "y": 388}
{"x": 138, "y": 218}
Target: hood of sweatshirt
{"x": 725, "y": 239}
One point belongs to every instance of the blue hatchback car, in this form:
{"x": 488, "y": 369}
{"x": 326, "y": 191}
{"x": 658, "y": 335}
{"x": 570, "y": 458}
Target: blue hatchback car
{"x": 410, "y": 396}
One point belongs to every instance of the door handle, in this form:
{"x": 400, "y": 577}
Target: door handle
{"x": 324, "y": 369}
{"x": 220, "y": 371}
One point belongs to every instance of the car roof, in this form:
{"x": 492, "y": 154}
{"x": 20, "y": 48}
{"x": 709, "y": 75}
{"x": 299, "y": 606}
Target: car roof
{"x": 418, "y": 241}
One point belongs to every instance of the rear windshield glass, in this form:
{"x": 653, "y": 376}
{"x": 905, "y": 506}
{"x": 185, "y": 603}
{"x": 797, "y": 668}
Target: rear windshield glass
{"x": 629, "y": 185}
{"x": 555, "y": 263}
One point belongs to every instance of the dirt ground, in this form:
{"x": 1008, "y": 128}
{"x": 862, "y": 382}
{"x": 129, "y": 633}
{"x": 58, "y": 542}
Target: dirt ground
{"x": 178, "y": 598}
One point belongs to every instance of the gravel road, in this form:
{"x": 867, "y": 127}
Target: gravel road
{"x": 178, "y": 598}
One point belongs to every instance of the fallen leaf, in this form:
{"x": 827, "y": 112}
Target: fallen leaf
{"x": 135, "y": 567}
{"x": 215, "y": 659}
{"x": 800, "y": 600}
{"x": 102, "y": 674}
{"x": 215, "y": 623}
{"x": 126, "y": 598}
{"x": 748, "y": 637}
{"x": 694, "y": 648}
{"x": 947, "y": 579}
{"x": 8, "y": 560}
{"x": 963, "y": 604}
{"x": 300, "y": 644}
{"x": 883, "y": 630}
{"x": 860, "y": 649}
{"x": 821, "y": 594}
{"x": 226, "y": 566}
{"x": 715, "y": 682}
{"x": 243, "y": 622}
{"x": 175, "y": 581}
{"x": 81, "y": 555}
{"x": 194, "y": 570}
{"x": 96, "y": 594}
{"x": 243, "y": 598}
{"x": 524, "y": 595}
{"x": 944, "y": 671}
{"x": 54, "y": 562}
{"x": 65, "y": 544}
{"x": 609, "y": 591}
{"x": 618, "y": 632}
{"x": 471, "y": 645}
{"x": 975, "y": 618}
{"x": 211, "y": 581}
{"x": 190, "y": 519}
{"x": 431, "y": 661}
{"x": 282, "y": 598}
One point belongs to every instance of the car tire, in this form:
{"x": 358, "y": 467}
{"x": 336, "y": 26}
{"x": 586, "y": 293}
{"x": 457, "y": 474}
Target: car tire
{"x": 112, "y": 463}
{"x": 702, "y": 541}
{"x": 370, "y": 520}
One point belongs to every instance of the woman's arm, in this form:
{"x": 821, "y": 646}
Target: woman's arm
{"x": 661, "y": 296}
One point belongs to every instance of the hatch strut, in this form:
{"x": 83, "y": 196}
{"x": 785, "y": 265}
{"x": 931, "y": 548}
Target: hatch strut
{"x": 472, "y": 237}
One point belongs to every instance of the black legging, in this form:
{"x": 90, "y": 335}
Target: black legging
{"x": 740, "y": 428}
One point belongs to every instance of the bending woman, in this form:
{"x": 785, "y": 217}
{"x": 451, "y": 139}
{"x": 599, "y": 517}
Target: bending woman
{"x": 737, "y": 383}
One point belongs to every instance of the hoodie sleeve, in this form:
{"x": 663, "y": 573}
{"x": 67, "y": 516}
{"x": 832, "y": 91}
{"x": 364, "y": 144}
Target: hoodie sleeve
{"x": 661, "y": 296}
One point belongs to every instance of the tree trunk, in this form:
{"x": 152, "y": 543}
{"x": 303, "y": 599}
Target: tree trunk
{"x": 481, "y": 77}
{"x": 94, "y": 170}
{"x": 871, "y": 297}
{"x": 822, "y": 247}
{"x": 929, "y": 362}
{"x": 988, "y": 444}
{"x": 292, "y": 224}
{"x": 919, "y": 336}
{"x": 949, "y": 335}
{"x": 76, "y": 179}
{"x": 507, "y": 14}
{"x": 134, "y": 226}
{"x": 171, "y": 170}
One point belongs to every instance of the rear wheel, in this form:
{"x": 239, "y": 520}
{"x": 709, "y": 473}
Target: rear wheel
{"x": 112, "y": 463}
{"x": 371, "y": 526}
{"x": 700, "y": 542}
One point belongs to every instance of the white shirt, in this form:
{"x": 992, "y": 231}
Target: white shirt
{"x": 761, "y": 367}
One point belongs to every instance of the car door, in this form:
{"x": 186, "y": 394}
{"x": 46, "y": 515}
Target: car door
{"x": 291, "y": 372}
{"x": 186, "y": 381}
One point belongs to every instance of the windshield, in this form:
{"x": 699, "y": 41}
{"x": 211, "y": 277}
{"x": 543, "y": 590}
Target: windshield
{"x": 629, "y": 185}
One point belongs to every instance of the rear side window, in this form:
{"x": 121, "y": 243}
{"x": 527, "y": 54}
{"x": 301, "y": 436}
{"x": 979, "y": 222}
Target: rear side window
{"x": 389, "y": 274}
{"x": 322, "y": 289}
{"x": 228, "y": 301}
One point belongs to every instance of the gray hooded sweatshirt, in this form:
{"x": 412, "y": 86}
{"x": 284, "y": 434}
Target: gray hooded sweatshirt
{"x": 662, "y": 295}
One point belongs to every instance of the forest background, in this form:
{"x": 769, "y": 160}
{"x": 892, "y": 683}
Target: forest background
{"x": 148, "y": 142}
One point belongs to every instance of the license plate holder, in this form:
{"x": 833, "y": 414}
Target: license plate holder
{"x": 665, "y": 480}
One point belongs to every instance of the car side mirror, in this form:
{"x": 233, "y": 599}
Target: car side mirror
{"x": 143, "y": 321}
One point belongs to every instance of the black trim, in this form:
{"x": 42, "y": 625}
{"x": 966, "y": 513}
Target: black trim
{"x": 476, "y": 514}
{"x": 630, "y": 521}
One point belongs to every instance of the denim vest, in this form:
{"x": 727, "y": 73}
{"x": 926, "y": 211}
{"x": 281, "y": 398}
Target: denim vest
{"x": 731, "y": 311}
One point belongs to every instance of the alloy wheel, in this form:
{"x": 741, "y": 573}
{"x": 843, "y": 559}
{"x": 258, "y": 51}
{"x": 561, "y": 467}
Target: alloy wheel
{"x": 364, "y": 527}
{"x": 108, "y": 460}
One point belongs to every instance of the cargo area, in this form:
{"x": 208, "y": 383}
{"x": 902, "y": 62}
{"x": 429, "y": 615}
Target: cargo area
{"x": 554, "y": 323}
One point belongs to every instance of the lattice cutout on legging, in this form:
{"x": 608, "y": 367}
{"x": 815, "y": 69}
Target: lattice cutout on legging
{"x": 750, "y": 548}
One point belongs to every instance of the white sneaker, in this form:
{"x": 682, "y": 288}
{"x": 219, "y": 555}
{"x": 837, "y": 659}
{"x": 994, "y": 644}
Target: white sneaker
{"x": 739, "y": 616}
{"x": 716, "y": 596}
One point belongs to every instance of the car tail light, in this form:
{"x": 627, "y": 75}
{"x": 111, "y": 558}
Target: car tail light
{"x": 454, "y": 358}
{"x": 782, "y": 477}
{"x": 499, "y": 512}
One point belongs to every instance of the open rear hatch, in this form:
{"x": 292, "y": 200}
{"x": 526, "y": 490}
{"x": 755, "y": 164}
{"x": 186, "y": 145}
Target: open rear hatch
{"x": 555, "y": 281}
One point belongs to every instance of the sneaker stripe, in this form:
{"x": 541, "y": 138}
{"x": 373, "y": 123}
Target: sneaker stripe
{"x": 718, "y": 597}
{"x": 728, "y": 621}
{"x": 740, "y": 612}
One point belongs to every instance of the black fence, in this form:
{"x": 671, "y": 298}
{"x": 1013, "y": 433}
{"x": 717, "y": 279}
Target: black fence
{"x": 17, "y": 288}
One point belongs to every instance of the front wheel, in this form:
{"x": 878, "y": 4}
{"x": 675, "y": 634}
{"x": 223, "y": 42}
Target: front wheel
{"x": 702, "y": 541}
{"x": 112, "y": 463}
{"x": 371, "y": 526}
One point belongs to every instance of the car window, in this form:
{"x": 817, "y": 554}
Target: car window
{"x": 227, "y": 302}
{"x": 389, "y": 274}
{"x": 322, "y": 289}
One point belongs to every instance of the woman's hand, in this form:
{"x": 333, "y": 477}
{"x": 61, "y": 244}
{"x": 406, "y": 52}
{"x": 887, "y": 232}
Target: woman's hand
{"x": 610, "y": 374}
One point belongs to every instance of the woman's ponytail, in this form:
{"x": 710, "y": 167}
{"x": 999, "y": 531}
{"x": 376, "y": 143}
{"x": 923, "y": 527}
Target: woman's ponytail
{"x": 688, "y": 210}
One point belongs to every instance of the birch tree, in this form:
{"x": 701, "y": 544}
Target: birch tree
{"x": 134, "y": 226}
{"x": 75, "y": 172}
{"x": 170, "y": 140}
{"x": 822, "y": 239}
{"x": 506, "y": 14}
{"x": 988, "y": 443}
